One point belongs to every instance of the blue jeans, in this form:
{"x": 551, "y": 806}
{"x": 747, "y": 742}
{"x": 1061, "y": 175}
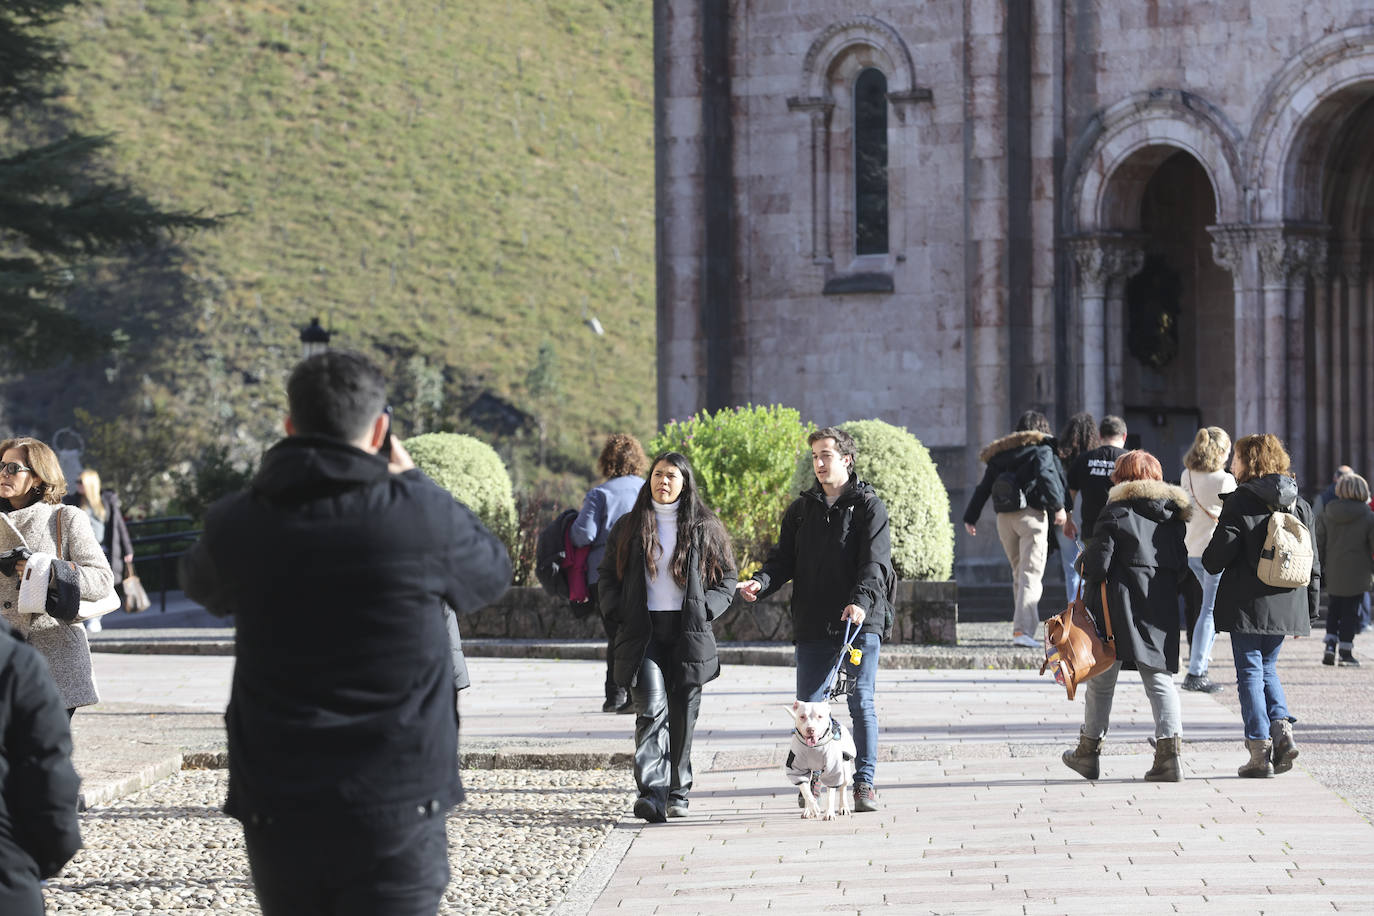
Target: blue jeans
{"x": 814, "y": 661}
{"x": 1257, "y": 682}
{"x": 1204, "y": 631}
{"x": 1068, "y": 552}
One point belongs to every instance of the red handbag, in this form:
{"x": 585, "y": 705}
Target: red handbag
{"x": 1073, "y": 648}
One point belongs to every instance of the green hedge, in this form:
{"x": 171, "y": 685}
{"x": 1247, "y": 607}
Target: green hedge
{"x": 902, "y": 472}
{"x": 473, "y": 472}
{"x": 743, "y": 459}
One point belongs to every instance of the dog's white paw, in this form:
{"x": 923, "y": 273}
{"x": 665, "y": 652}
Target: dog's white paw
{"x": 810, "y": 814}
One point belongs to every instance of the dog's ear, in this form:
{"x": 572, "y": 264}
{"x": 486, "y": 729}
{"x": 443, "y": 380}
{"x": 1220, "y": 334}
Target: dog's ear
{"x": 792, "y": 710}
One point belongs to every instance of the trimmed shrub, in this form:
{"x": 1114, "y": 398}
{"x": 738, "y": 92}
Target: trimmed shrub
{"x": 472, "y": 471}
{"x": 743, "y": 459}
{"x": 900, "y": 468}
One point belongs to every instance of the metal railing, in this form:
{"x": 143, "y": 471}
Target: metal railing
{"x": 184, "y": 537}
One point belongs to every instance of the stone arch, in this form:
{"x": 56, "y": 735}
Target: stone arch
{"x": 1301, "y": 110}
{"x": 889, "y": 54}
{"x": 1139, "y": 133}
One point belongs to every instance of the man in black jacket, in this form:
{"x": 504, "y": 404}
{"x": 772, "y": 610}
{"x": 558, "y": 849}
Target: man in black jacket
{"x": 836, "y": 548}
{"x": 39, "y": 832}
{"x": 337, "y": 565}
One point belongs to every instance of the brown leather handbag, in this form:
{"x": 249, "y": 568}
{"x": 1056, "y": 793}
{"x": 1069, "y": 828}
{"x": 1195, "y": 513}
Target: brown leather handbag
{"x": 1073, "y": 649}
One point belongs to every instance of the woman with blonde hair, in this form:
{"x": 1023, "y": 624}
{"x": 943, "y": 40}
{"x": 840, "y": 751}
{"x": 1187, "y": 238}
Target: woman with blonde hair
{"x": 38, "y": 530}
{"x": 1345, "y": 542}
{"x": 1206, "y": 479}
{"x": 1137, "y": 560}
{"x": 107, "y": 523}
{"x": 1257, "y": 615}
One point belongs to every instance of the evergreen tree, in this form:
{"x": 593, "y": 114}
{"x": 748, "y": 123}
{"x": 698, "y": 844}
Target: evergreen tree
{"x": 62, "y": 212}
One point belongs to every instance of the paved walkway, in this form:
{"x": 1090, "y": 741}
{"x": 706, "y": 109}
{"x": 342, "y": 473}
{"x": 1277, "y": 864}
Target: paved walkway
{"x": 979, "y": 815}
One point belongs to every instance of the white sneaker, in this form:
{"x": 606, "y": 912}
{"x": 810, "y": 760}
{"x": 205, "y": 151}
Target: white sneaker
{"x": 1025, "y": 642}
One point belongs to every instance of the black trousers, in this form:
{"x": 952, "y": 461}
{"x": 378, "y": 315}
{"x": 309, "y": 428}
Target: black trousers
{"x": 308, "y": 869}
{"x": 665, "y": 717}
{"x": 1343, "y": 616}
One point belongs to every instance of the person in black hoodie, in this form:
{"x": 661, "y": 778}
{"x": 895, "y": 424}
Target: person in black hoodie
{"x": 39, "y": 831}
{"x": 836, "y": 547}
{"x": 1026, "y": 482}
{"x": 1137, "y": 555}
{"x": 1259, "y": 616}
{"x": 337, "y": 565}
{"x": 666, "y": 574}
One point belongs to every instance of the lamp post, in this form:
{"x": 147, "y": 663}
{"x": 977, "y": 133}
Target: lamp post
{"x": 314, "y": 339}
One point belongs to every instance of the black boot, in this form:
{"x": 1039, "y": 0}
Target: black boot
{"x": 1348, "y": 659}
{"x": 616, "y": 697}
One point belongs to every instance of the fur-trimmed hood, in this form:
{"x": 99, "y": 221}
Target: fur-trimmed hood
{"x": 1015, "y": 441}
{"x": 1160, "y": 500}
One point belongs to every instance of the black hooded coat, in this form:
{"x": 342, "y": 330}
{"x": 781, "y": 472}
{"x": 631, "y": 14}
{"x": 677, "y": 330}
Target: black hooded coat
{"x": 339, "y": 575}
{"x": 1137, "y": 549}
{"x": 1244, "y": 604}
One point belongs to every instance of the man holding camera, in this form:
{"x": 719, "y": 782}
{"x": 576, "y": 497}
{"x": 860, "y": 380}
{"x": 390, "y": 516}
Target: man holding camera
{"x": 337, "y": 563}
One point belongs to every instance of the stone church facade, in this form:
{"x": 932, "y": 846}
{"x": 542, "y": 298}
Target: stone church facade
{"x": 943, "y": 213}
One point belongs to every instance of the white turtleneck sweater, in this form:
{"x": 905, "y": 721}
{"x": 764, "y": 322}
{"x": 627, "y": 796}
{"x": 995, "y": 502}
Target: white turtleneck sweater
{"x": 664, "y": 593}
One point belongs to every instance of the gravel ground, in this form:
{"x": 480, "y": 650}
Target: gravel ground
{"x": 515, "y": 847}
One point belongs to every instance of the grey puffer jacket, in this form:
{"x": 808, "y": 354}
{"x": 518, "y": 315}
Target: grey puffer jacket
{"x": 1345, "y": 542}
{"x": 63, "y": 645}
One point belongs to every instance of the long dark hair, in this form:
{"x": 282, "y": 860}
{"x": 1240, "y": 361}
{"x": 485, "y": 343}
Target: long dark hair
{"x": 696, "y": 525}
{"x": 1079, "y": 436}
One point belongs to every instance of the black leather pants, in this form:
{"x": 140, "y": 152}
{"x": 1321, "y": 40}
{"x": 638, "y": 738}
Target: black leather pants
{"x": 665, "y": 717}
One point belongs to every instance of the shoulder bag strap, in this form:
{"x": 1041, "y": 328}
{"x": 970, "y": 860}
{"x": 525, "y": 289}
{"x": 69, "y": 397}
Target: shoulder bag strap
{"x": 59, "y": 534}
{"x": 1196, "y": 500}
{"x": 1106, "y": 614}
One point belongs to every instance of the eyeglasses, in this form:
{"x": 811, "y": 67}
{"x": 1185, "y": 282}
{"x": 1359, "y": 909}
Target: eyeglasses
{"x": 12, "y": 469}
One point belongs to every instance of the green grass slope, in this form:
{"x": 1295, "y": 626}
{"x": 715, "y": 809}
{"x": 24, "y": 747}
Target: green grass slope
{"x": 461, "y": 180}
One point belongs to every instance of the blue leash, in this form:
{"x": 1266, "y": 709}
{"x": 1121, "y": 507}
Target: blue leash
{"x": 835, "y": 688}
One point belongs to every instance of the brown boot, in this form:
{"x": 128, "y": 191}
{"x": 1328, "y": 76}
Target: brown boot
{"x": 1084, "y": 759}
{"x": 1284, "y": 751}
{"x": 1167, "y": 767}
{"x": 1259, "y": 766}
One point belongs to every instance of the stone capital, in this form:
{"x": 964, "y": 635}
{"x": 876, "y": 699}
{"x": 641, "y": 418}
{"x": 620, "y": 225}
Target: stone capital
{"x": 1229, "y": 244}
{"x": 1100, "y": 260}
{"x": 1284, "y": 256}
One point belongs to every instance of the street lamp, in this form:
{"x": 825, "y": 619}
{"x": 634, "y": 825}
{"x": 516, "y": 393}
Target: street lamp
{"x": 314, "y": 339}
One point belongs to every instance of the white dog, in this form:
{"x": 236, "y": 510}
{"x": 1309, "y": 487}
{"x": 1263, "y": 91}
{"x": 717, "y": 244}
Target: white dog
{"x": 820, "y": 744}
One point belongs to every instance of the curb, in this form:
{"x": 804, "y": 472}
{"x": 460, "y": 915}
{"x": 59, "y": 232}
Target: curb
{"x": 106, "y": 792}
{"x": 765, "y": 654}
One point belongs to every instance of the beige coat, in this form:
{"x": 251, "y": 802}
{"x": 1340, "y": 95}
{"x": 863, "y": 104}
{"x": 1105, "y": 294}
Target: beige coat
{"x": 63, "y": 645}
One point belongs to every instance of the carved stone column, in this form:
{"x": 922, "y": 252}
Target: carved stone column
{"x": 1102, "y": 263}
{"x": 1285, "y": 260}
{"x": 1233, "y": 249}
{"x": 820, "y": 110}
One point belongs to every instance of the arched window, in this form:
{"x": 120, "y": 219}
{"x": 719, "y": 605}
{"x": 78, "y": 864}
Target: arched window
{"x": 870, "y": 162}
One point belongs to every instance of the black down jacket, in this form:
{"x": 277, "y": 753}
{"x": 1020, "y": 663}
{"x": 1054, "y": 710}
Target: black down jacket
{"x": 1137, "y": 549}
{"x": 695, "y": 661}
{"x": 1031, "y": 456}
{"x": 338, "y": 573}
{"x": 39, "y": 831}
{"x": 835, "y": 556}
{"x": 1244, "y": 604}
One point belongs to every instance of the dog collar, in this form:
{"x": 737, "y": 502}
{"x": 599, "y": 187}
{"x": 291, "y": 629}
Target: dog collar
{"x": 823, "y": 740}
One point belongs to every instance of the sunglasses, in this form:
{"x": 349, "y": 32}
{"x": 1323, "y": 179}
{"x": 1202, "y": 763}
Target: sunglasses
{"x": 13, "y": 469}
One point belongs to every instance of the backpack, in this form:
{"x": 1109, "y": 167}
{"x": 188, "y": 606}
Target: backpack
{"x": 1007, "y": 495}
{"x": 550, "y": 553}
{"x": 1285, "y": 560}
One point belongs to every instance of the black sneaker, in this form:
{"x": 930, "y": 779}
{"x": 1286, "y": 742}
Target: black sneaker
{"x": 1348, "y": 659}
{"x": 614, "y": 700}
{"x": 865, "y": 798}
{"x": 1329, "y": 656}
{"x": 626, "y": 708}
{"x": 815, "y": 789}
{"x": 1200, "y": 683}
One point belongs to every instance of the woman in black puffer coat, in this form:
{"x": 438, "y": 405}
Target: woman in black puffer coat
{"x": 1259, "y": 616}
{"x": 668, "y": 571}
{"x": 1138, "y": 557}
